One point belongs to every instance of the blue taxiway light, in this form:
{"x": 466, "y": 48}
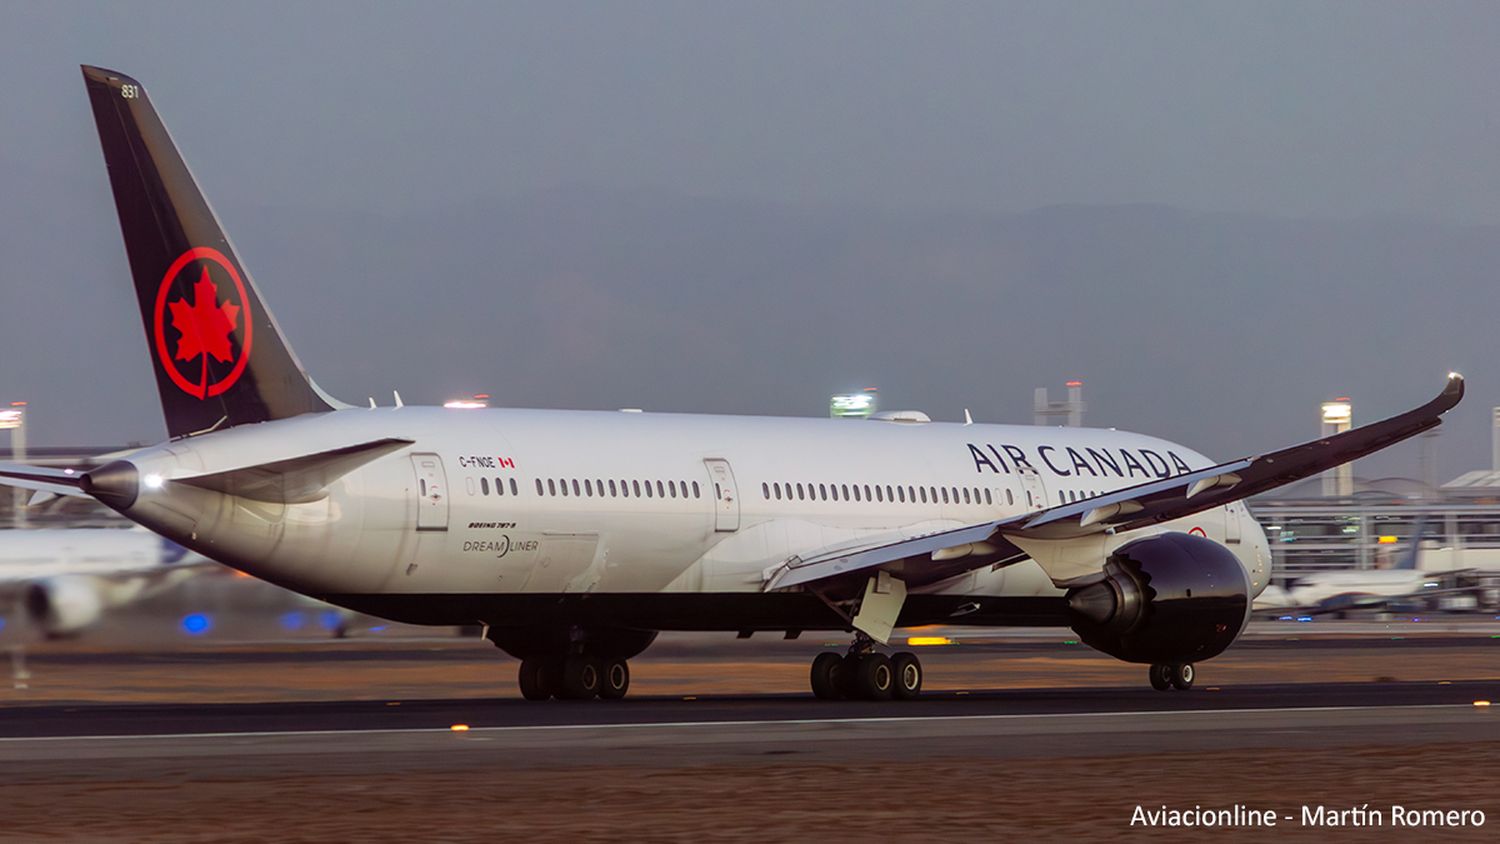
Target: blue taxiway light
{"x": 196, "y": 624}
{"x": 293, "y": 620}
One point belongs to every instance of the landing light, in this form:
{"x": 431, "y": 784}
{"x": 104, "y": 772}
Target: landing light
{"x": 918, "y": 641}
{"x": 1481, "y": 703}
{"x": 152, "y": 481}
{"x": 459, "y": 728}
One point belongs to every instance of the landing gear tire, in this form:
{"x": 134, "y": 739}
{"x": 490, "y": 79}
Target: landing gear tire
{"x": 580, "y": 678}
{"x": 533, "y": 680}
{"x": 614, "y": 679}
{"x": 827, "y": 671}
{"x": 906, "y": 674}
{"x": 1161, "y": 677}
{"x": 1182, "y": 676}
{"x": 873, "y": 679}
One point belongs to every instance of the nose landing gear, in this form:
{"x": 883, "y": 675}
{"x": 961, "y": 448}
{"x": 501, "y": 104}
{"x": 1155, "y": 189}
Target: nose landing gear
{"x": 1172, "y": 676}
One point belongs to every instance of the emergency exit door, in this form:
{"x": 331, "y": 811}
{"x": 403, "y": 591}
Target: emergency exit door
{"x": 432, "y": 492}
{"x": 726, "y": 495}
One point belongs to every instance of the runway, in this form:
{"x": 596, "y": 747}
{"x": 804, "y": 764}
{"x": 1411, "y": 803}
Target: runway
{"x": 985, "y": 759}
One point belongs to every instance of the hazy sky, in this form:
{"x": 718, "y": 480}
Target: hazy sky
{"x": 1296, "y": 108}
{"x": 353, "y": 118}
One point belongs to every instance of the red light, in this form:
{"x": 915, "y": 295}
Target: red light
{"x": 18, "y": 404}
{"x": 1342, "y": 398}
{"x": 481, "y": 395}
{"x": 1074, "y": 384}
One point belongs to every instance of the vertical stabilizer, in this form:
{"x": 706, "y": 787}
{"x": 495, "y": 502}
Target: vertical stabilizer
{"x": 218, "y": 356}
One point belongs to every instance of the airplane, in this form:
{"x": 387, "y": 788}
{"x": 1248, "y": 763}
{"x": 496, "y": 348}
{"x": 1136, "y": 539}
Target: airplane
{"x": 62, "y": 581}
{"x": 1338, "y": 592}
{"x": 574, "y": 537}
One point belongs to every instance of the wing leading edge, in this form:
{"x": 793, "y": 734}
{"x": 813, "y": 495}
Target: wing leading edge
{"x": 937, "y": 556}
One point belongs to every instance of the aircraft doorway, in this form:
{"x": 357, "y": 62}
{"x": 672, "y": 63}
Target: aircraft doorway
{"x": 432, "y": 492}
{"x": 726, "y": 495}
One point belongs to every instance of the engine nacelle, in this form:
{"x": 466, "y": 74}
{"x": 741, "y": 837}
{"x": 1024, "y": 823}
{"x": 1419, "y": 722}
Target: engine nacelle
{"x": 1170, "y": 598}
{"x": 62, "y": 606}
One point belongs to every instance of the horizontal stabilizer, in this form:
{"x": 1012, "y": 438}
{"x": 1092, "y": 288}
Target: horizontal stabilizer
{"x": 295, "y": 480}
{"x": 41, "y": 479}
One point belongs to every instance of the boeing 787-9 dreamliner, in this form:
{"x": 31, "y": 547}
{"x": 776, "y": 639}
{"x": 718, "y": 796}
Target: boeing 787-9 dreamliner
{"x": 575, "y": 537}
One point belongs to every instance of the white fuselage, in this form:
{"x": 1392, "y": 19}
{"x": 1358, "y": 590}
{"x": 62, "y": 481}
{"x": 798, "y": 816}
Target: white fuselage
{"x": 493, "y": 503}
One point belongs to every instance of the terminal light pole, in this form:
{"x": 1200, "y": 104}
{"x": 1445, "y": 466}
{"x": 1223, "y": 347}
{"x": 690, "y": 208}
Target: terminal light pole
{"x": 1338, "y": 417}
{"x": 13, "y": 419}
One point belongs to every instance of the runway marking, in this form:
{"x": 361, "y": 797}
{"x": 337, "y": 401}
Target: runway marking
{"x": 649, "y": 725}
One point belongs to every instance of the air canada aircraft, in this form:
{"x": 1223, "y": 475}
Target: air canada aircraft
{"x": 575, "y": 537}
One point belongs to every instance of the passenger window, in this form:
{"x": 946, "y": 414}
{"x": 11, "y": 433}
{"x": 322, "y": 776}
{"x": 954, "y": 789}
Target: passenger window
{"x": 551, "y": 487}
{"x": 987, "y": 498}
{"x": 588, "y": 488}
{"x": 575, "y": 487}
{"x": 538, "y": 486}
{"x": 672, "y": 488}
{"x": 822, "y": 492}
{"x": 966, "y": 495}
{"x": 484, "y": 486}
{"x": 890, "y": 493}
{"x": 514, "y": 490}
{"x": 765, "y": 491}
{"x": 923, "y": 491}
{"x": 901, "y": 493}
{"x": 945, "y": 495}
{"x": 856, "y": 492}
{"x": 1009, "y": 499}
{"x": 648, "y": 489}
{"x": 695, "y": 490}
{"x": 660, "y": 493}
{"x": 612, "y": 493}
{"x": 867, "y": 493}
{"x": 636, "y": 485}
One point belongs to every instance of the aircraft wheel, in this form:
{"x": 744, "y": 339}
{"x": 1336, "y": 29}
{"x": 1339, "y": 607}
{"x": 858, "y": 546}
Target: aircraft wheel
{"x": 906, "y": 673}
{"x": 580, "y": 678}
{"x": 1182, "y": 676}
{"x": 848, "y": 677}
{"x": 827, "y": 668}
{"x": 873, "y": 677}
{"x": 533, "y": 680}
{"x": 1161, "y": 677}
{"x": 614, "y": 681}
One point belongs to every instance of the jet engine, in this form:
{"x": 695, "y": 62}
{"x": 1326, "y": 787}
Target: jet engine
{"x": 1173, "y": 598}
{"x": 62, "y": 606}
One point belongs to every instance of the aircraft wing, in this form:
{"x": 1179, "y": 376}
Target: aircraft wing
{"x": 937, "y": 556}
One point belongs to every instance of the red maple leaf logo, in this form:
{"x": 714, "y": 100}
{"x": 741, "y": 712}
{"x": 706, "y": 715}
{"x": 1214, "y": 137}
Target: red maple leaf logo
{"x": 204, "y": 326}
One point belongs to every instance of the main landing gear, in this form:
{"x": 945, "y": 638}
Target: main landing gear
{"x": 1175, "y": 676}
{"x": 864, "y": 674}
{"x": 574, "y": 677}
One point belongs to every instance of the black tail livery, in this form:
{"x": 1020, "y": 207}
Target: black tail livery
{"x": 219, "y": 358}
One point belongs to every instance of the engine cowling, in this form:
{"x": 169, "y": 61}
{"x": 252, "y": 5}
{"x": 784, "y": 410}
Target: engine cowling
{"x": 62, "y": 606}
{"x": 1170, "y": 598}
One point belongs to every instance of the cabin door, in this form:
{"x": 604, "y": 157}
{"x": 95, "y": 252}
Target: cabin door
{"x": 726, "y": 495}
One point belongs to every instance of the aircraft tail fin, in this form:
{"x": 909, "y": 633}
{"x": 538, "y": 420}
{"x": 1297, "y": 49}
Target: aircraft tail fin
{"x": 219, "y": 358}
{"x": 1413, "y": 551}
